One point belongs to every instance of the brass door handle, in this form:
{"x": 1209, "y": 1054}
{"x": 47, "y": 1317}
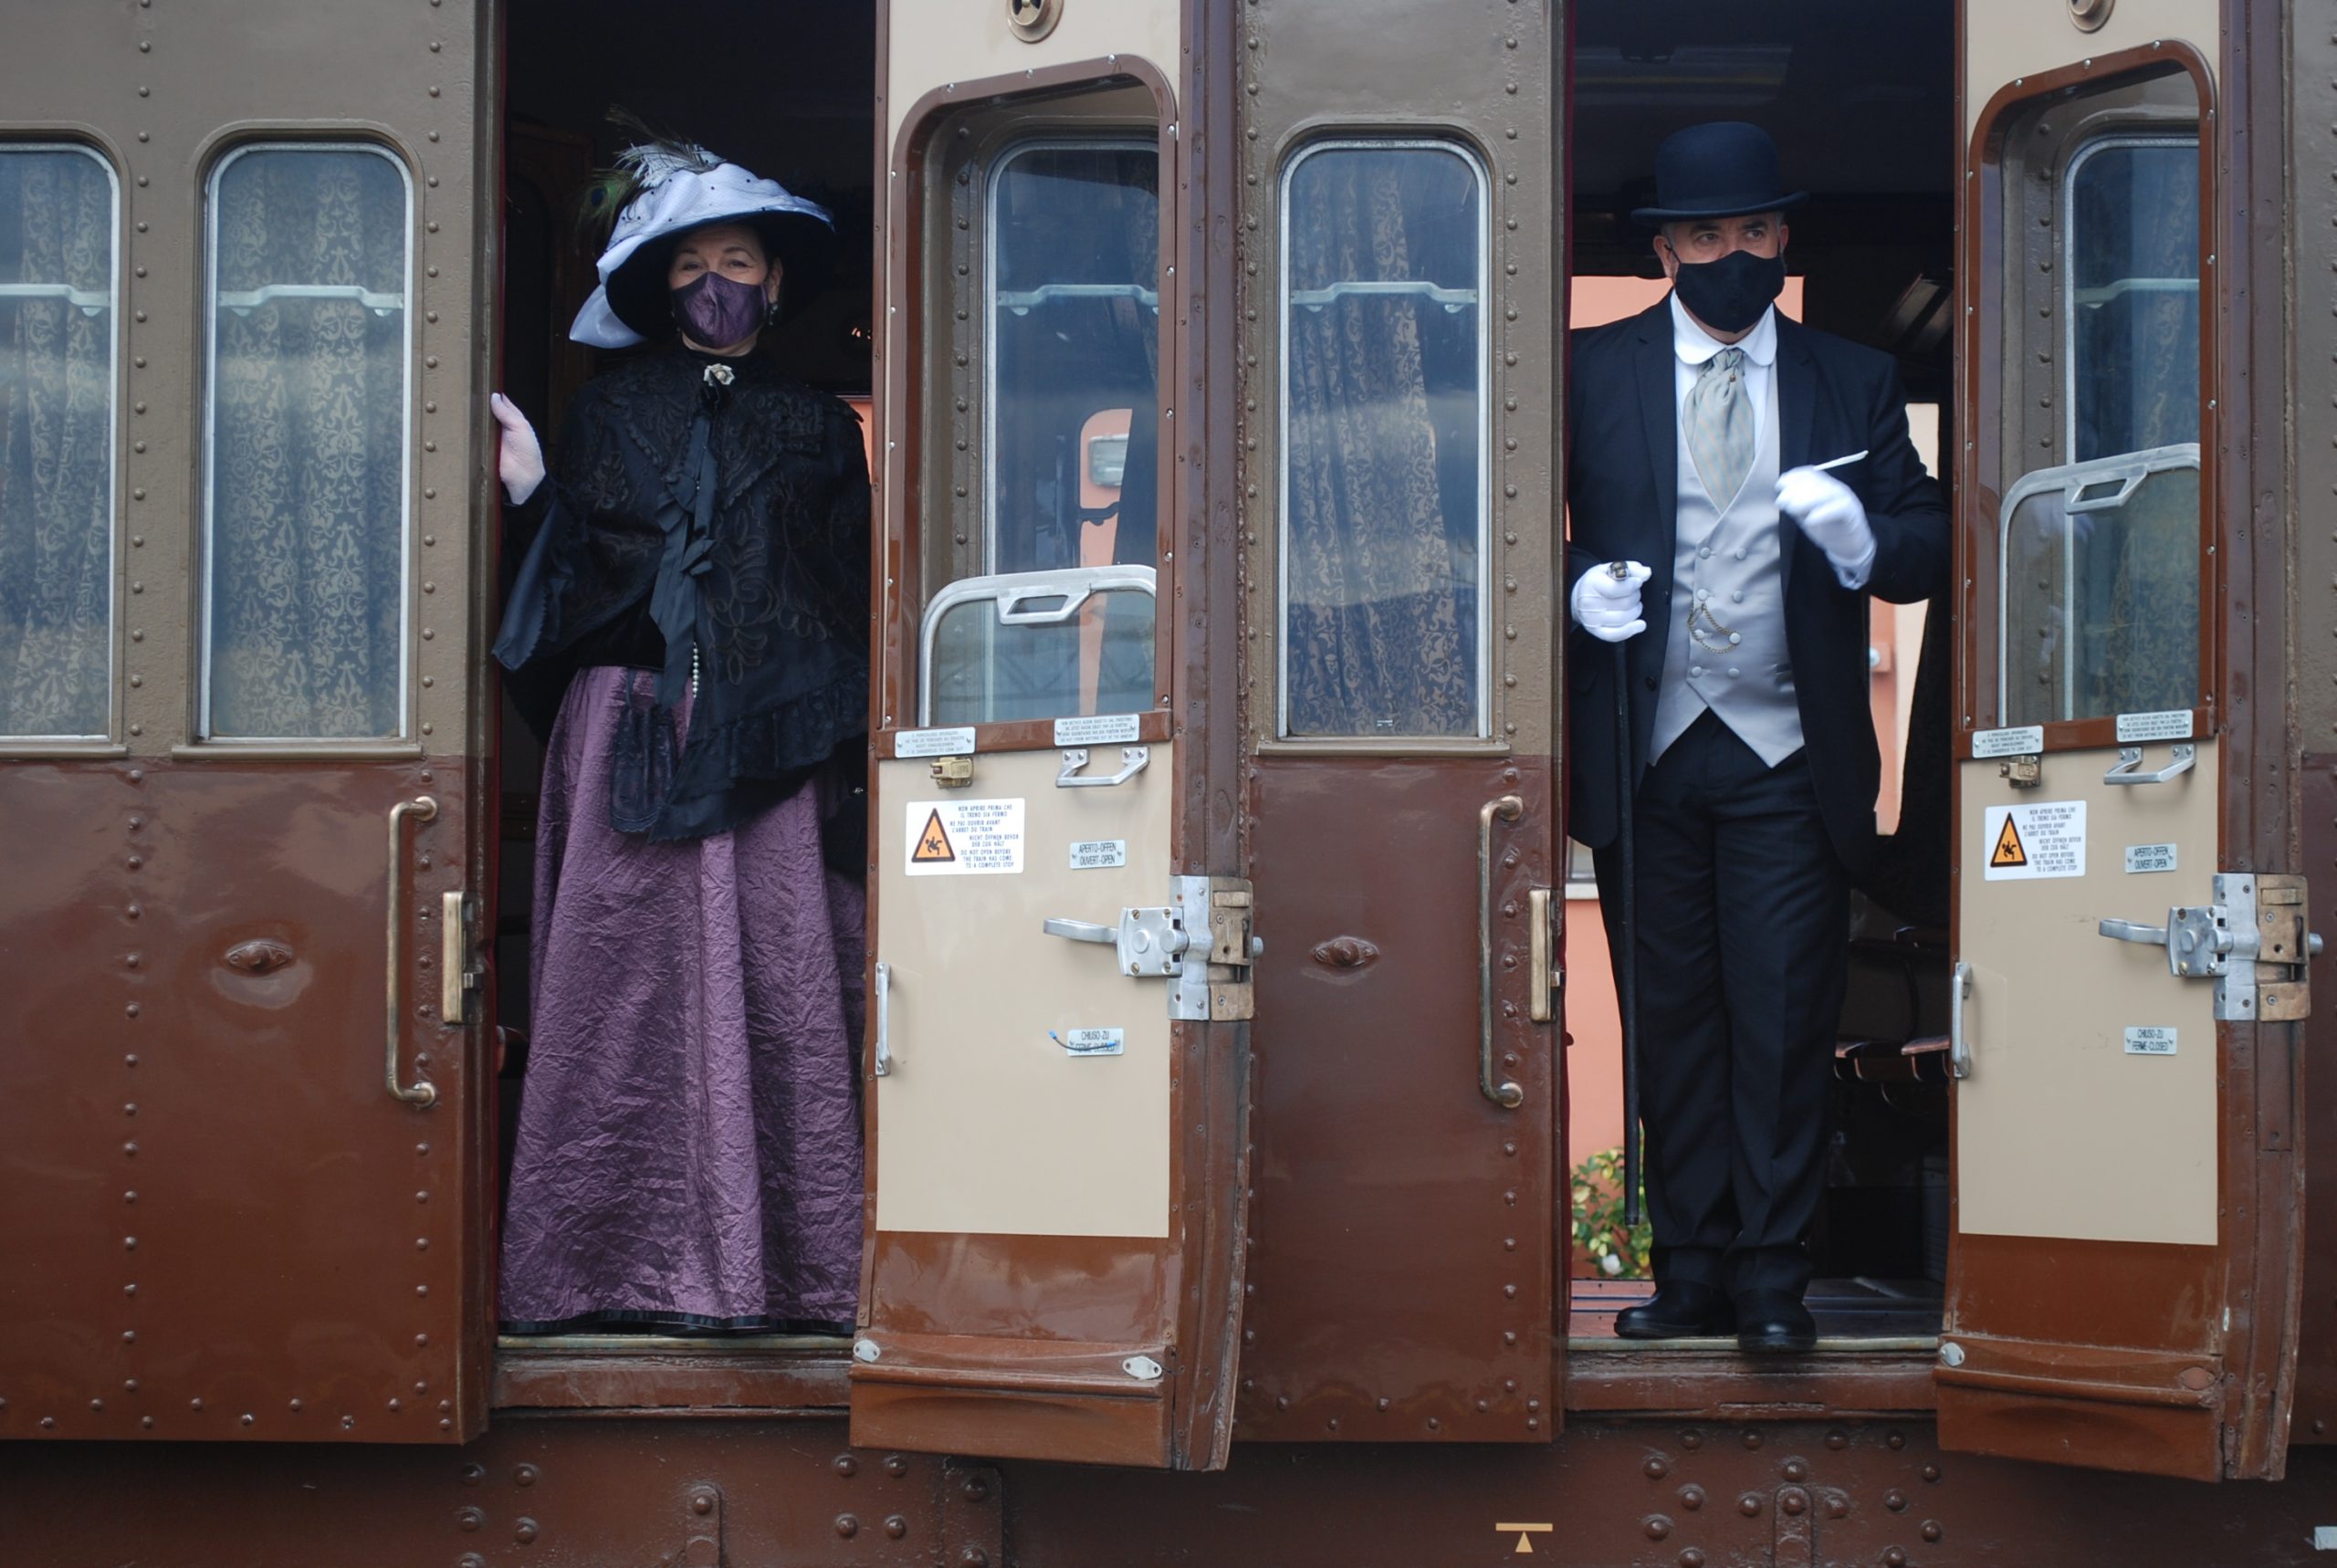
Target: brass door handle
{"x": 1541, "y": 1006}
{"x": 422, "y": 808}
{"x": 1505, "y": 1094}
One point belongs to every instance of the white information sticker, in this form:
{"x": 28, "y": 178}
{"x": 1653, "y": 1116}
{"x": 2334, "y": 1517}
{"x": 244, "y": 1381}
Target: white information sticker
{"x": 2026, "y": 741}
{"x": 934, "y": 743}
{"x": 2149, "y": 857}
{"x": 964, "y": 838}
{"x": 2035, "y": 841}
{"x": 1098, "y": 854}
{"x": 1096, "y": 729}
{"x": 2173, "y": 724}
{"x": 2150, "y": 1041}
{"x": 1092, "y": 1041}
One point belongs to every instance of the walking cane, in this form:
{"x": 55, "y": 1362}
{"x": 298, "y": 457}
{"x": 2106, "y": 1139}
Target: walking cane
{"x": 1628, "y": 989}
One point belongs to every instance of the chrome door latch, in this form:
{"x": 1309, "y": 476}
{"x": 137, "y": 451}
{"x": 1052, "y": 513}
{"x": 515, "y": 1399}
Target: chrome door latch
{"x": 1200, "y": 944}
{"x": 2251, "y": 941}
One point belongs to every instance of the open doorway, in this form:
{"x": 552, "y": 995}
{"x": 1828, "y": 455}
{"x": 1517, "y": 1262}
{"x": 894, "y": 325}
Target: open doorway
{"x": 1861, "y": 102}
{"x": 788, "y": 94}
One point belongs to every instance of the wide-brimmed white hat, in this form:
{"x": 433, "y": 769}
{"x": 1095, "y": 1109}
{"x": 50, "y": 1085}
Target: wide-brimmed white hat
{"x": 682, "y": 188}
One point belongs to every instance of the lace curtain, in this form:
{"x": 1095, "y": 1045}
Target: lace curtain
{"x": 307, "y": 518}
{"x": 56, "y": 229}
{"x": 1380, "y": 553}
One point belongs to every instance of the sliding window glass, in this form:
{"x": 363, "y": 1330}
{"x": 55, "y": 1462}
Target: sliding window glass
{"x": 1383, "y": 442}
{"x": 58, "y": 207}
{"x": 307, "y": 431}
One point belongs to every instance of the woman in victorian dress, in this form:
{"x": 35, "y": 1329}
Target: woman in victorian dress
{"x": 688, "y": 1150}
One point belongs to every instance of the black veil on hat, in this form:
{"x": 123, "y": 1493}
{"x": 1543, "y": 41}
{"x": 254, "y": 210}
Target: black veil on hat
{"x": 664, "y": 189}
{"x": 1720, "y": 169}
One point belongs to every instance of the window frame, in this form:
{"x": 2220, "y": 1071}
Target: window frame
{"x": 993, "y": 171}
{"x": 2088, "y": 148}
{"x": 109, "y": 738}
{"x": 1285, "y": 179}
{"x": 2010, "y": 221}
{"x": 402, "y": 738}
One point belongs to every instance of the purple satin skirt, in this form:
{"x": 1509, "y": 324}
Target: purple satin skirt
{"x": 689, "y": 1134}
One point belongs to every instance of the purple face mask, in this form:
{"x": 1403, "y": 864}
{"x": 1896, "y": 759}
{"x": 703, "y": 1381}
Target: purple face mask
{"x": 718, "y": 311}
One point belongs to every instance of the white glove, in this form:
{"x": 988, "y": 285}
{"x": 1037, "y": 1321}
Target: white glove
{"x": 1830, "y": 513}
{"x": 1608, "y": 606}
{"x": 520, "y": 463}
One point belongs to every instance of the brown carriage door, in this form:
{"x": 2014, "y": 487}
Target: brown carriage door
{"x": 2126, "y": 962}
{"x": 1403, "y": 280}
{"x": 1059, "y": 932}
{"x": 242, "y": 1096}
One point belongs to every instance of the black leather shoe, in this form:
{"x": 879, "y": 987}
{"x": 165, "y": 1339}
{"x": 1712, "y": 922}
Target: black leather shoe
{"x": 1774, "y": 1322}
{"x": 1677, "y": 1311}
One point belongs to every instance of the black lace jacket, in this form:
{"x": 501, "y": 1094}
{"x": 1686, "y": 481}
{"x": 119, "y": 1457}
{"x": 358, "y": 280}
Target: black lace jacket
{"x": 773, "y": 574}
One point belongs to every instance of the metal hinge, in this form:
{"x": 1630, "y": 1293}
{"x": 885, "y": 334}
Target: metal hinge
{"x": 2251, "y": 941}
{"x": 1201, "y": 943}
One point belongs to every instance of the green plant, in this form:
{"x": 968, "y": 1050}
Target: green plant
{"x": 1618, "y": 1251}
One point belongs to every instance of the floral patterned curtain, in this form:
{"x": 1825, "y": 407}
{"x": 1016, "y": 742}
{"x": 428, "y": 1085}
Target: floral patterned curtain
{"x": 1379, "y": 563}
{"x": 56, "y": 230}
{"x": 308, "y": 516}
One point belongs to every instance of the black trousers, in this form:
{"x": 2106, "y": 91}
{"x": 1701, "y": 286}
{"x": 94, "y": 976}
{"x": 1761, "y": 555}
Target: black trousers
{"x": 1742, "y": 909}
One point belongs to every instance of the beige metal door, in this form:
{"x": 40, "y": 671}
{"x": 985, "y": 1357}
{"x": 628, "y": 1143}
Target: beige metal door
{"x": 2123, "y": 956}
{"x": 1060, "y": 944}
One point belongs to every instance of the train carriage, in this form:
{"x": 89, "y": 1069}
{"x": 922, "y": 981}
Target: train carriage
{"x": 1217, "y": 1083}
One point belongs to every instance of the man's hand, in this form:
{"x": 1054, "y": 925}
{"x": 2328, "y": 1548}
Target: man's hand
{"x": 1606, "y": 601}
{"x": 1830, "y": 513}
{"x": 520, "y": 463}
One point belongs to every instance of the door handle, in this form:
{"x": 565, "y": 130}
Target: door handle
{"x": 422, "y": 808}
{"x": 883, "y": 977}
{"x": 1133, "y": 761}
{"x": 2133, "y": 931}
{"x": 457, "y": 977}
{"x": 2129, "y": 761}
{"x": 1959, "y": 1044}
{"x": 1079, "y": 930}
{"x": 1505, "y": 1093}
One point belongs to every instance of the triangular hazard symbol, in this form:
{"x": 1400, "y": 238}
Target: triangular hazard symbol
{"x": 933, "y": 844}
{"x": 2008, "y": 851}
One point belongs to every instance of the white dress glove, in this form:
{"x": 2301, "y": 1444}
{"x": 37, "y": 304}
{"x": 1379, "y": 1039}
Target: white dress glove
{"x": 1608, "y": 606}
{"x": 520, "y": 463}
{"x": 1830, "y": 513}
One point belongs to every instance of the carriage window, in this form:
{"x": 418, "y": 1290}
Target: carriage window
{"x": 306, "y": 450}
{"x": 2100, "y": 553}
{"x": 1383, "y": 418}
{"x": 1074, "y": 348}
{"x": 57, "y": 459}
{"x": 1038, "y": 645}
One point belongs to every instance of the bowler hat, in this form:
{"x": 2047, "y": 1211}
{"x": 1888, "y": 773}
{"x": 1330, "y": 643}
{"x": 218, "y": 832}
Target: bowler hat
{"x": 1720, "y": 169}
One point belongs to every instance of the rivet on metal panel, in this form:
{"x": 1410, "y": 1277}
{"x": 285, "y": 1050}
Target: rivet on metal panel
{"x": 1895, "y": 1558}
{"x": 1692, "y": 1557}
{"x": 1894, "y": 1499}
{"x": 422, "y": 1340}
{"x": 524, "y": 1531}
{"x": 1796, "y": 1470}
{"x": 1657, "y": 1527}
{"x": 847, "y": 1526}
{"x": 1931, "y": 1472}
{"x": 896, "y": 1466}
{"x": 1692, "y": 1497}
{"x": 525, "y": 1475}
{"x": 1931, "y": 1530}
{"x": 1837, "y": 1440}
{"x": 1752, "y": 1440}
{"x": 249, "y": 1419}
{"x": 469, "y": 1519}
{"x": 896, "y": 1525}
{"x": 195, "y": 1403}
{"x": 472, "y": 1472}
{"x": 1749, "y": 1504}
{"x": 1656, "y": 1467}
{"x": 98, "y": 1404}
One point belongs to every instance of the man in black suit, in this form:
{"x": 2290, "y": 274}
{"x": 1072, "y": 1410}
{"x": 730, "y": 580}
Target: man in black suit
{"x": 1715, "y": 538}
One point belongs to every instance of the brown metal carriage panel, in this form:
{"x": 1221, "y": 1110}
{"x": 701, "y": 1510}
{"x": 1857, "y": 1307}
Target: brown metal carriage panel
{"x": 1408, "y": 1233}
{"x": 218, "y": 1221}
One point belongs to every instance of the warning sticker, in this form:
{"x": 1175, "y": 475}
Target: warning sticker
{"x": 964, "y": 838}
{"x": 2151, "y": 1041}
{"x": 2025, "y": 741}
{"x": 2040, "y": 841}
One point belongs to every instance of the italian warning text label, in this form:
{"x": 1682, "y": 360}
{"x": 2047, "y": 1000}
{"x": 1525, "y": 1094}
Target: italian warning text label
{"x": 964, "y": 838}
{"x": 2030, "y": 843}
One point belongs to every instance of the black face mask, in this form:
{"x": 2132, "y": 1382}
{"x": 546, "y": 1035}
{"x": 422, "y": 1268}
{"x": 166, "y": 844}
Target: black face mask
{"x": 1730, "y": 293}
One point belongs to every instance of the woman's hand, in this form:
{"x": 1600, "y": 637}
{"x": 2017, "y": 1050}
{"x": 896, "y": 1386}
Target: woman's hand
{"x": 522, "y": 462}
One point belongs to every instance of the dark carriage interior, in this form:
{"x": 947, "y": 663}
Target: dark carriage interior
{"x": 1860, "y": 101}
{"x": 785, "y": 92}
